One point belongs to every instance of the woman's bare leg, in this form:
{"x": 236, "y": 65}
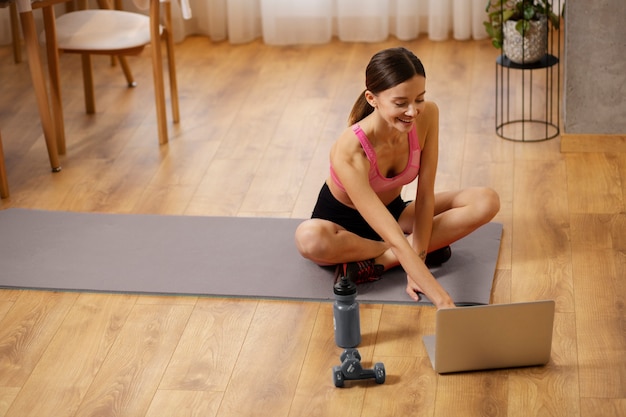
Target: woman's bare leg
{"x": 457, "y": 214}
{"x": 327, "y": 243}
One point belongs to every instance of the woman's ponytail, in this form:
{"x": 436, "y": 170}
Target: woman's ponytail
{"x": 360, "y": 110}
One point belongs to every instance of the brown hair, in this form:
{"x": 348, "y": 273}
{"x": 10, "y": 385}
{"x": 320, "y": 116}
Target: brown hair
{"x": 385, "y": 70}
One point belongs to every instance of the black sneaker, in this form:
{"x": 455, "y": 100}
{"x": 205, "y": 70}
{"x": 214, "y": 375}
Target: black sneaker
{"x": 438, "y": 257}
{"x": 359, "y": 272}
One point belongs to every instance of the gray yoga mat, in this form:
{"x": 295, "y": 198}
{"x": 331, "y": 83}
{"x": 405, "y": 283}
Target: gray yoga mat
{"x": 212, "y": 256}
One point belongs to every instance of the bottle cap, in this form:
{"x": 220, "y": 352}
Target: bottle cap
{"x": 344, "y": 287}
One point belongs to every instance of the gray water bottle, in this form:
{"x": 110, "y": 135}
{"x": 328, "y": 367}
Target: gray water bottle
{"x": 346, "y": 317}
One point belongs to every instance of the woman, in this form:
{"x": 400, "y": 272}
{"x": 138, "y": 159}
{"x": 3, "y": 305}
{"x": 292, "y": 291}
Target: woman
{"x": 360, "y": 221}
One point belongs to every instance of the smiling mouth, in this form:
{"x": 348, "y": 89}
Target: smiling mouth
{"x": 407, "y": 121}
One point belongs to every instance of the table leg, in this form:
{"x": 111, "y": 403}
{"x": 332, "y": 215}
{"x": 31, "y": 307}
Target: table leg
{"x": 39, "y": 83}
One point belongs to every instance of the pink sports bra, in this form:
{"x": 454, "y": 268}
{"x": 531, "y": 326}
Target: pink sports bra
{"x": 379, "y": 182}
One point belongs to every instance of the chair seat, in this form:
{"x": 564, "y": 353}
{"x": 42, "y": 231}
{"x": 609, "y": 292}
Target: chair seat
{"x": 102, "y": 30}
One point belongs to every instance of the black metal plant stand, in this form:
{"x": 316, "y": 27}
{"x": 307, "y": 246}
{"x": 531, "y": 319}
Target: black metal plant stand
{"x": 527, "y": 95}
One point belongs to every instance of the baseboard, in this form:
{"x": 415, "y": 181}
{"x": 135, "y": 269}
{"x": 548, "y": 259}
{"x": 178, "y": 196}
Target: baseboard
{"x": 592, "y": 143}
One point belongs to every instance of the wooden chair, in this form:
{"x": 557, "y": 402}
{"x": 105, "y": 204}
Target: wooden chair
{"x": 106, "y": 31}
{"x": 4, "y": 184}
{"x": 17, "y": 47}
{"x": 15, "y": 34}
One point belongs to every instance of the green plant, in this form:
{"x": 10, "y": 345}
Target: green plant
{"x": 521, "y": 11}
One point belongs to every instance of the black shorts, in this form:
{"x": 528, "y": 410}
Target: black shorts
{"x": 329, "y": 208}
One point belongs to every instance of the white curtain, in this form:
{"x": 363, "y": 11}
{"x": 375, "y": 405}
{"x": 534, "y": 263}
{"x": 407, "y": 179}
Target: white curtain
{"x": 284, "y": 22}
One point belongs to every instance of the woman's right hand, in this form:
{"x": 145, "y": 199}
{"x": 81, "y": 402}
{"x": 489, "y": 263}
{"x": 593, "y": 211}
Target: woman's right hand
{"x": 414, "y": 291}
{"x": 447, "y": 304}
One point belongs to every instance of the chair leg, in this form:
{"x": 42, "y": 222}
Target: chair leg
{"x": 171, "y": 62}
{"x": 15, "y": 34}
{"x": 56, "y": 103}
{"x": 4, "y": 184}
{"x": 127, "y": 71}
{"x": 39, "y": 84}
{"x": 157, "y": 70}
{"x": 90, "y": 100}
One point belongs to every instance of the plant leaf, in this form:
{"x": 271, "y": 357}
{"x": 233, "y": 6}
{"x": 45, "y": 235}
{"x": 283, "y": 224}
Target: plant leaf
{"x": 507, "y": 14}
{"x": 522, "y": 27}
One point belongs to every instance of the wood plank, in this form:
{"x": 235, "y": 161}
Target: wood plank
{"x": 222, "y": 188}
{"x": 129, "y": 376}
{"x": 538, "y": 151}
{"x": 600, "y": 300}
{"x": 77, "y": 352}
{"x": 407, "y": 391}
{"x": 401, "y": 330}
{"x": 501, "y": 289}
{"x": 120, "y": 181}
{"x": 541, "y": 269}
{"x": 594, "y": 183}
{"x": 26, "y": 332}
{"x": 573, "y": 142}
{"x": 168, "y": 299}
{"x": 600, "y": 407}
{"x": 171, "y": 188}
{"x": 208, "y": 349}
{"x": 9, "y": 294}
{"x": 621, "y": 163}
{"x": 184, "y": 403}
{"x": 270, "y": 360}
{"x": 541, "y": 250}
{"x": 257, "y": 116}
{"x": 452, "y": 98}
{"x": 7, "y": 395}
{"x": 597, "y": 231}
{"x": 82, "y": 195}
{"x": 472, "y": 394}
{"x": 553, "y": 389}
{"x": 5, "y": 306}
{"x": 598, "y": 228}
{"x": 481, "y": 106}
{"x": 280, "y": 171}
{"x": 209, "y": 102}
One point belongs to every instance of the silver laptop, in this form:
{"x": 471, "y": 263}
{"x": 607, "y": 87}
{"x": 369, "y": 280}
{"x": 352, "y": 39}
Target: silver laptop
{"x": 491, "y": 336}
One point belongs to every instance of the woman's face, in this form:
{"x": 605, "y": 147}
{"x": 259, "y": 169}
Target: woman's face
{"x": 400, "y": 106}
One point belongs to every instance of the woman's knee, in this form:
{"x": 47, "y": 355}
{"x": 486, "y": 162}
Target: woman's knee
{"x": 486, "y": 203}
{"x": 310, "y": 239}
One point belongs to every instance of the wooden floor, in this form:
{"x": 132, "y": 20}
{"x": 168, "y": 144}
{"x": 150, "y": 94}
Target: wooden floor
{"x": 257, "y": 123}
